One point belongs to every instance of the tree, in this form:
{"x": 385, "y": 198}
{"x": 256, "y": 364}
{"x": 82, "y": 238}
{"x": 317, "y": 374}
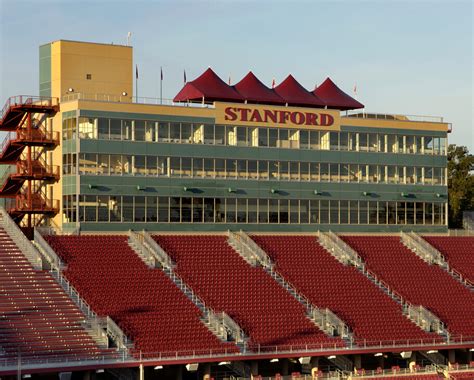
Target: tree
{"x": 460, "y": 184}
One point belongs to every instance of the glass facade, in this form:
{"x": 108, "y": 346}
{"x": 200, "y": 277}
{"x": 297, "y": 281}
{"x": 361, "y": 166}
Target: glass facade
{"x": 210, "y": 134}
{"x": 157, "y": 209}
{"x": 266, "y": 154}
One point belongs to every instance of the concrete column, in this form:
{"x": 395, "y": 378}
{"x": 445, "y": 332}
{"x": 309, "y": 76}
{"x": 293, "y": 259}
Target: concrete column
{"x": 412, "y": 362}
{"x": 253, "y": 369}
{"x": 314, "y": 366}
{"x": 207, "y": 371}
{"x": 179, "y": 372}
{"x": 358, "y": 361}
{"x": 284, "y": 366}
{"x": 141, "y": 372}
{"x": 452, "y": 356}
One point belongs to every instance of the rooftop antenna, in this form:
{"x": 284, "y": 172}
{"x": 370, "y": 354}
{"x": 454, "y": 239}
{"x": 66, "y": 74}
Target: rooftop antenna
{"x": 129, "y": 36}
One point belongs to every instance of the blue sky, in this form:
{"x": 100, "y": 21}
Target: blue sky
{"x": 410, "y": 57}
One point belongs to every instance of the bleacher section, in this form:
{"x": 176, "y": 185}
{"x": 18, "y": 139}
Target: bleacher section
{"x": 145, "y": 303}
{"x": 37, "y": 319}
{"x": 262, "y": 308}
{"x": 458, "y": 251}
{"x": 371, "y": 314}
{"x": 461, "y": 375}
{"x": 418, "y": 282}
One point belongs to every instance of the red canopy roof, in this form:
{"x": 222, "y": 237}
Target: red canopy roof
{"x": 208, "y": 86}
{"x": 296, "y": 95}
{"x": 334, "y": 97}
{"x": 254, "y": 91}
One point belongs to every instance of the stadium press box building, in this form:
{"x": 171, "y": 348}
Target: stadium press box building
{"x": 225, "y": 157}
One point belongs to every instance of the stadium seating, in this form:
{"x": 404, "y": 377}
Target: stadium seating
{"x": 407, "y": 377}
{"x": 262, "y": 308}
{"x": 458, "y": 251}
{"x": 145, "y": 303}
{"x": 370, "y": 313}
{"x": 37, "y": 319}
{"x": 461, "y": 375}
{"x": 418, "y": 282}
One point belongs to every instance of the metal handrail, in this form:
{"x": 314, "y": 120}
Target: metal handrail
{"x": 19, "y": 100}
{"x": 390, "y": 116}
{"x": 97, "y": 97}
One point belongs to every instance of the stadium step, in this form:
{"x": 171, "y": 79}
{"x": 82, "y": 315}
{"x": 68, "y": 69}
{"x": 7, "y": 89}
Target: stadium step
{"x": 220, "y": 324}
{"x": 431, "y": 255}
{"x": 324, "y": 318}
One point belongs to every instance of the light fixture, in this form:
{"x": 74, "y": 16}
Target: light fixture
{"x": 70, "y": 89}
{"x": 142, "y": 188}
{"x": 367, "y": 193}
{"x": 432, "y": 351}
{"x": 91, "y": 186}
{"x": 472, "y": 349}
{"x": 274, "y": 191}
{"x": 274, "y": 361}
{"x": 231, "y": 190}
{"x": 305, "y": 360}
{"x": 332, "y": 357}
{"x": 317, "y": 192}
{"x": 378, "y": 354}
{"x": 192, "y": 367}
{"x": 26, "y": 376}
{"x": 124, "y": 93}
{"x": 99, "y": 371}
{"x": 159, "y": 367}
{"x": 223, "y": 363}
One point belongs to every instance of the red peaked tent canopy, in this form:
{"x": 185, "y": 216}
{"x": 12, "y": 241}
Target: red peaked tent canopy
{"x": 296, "y": 95}
{"x": 208, "y": 86}
{"x": 254, "y": 91}
{"x": 334, "y": 97}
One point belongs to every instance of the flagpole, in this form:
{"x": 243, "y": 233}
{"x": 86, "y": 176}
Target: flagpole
{"x": 161, "y": 85}
{"x": 136, "y": 83}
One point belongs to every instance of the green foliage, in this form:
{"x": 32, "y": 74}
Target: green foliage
{"x": 460, "y": 183}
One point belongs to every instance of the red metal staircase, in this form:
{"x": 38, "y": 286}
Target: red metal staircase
{"x": 24, "y": 147}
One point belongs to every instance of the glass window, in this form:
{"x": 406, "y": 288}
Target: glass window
{"x": 428, "y": 144}
{"x": 262, "y": 136}
{"x": 104, "y": 166}
{"x": 294, "y": 171}
{"x": 382, "y": 147}
{"x": 103, "y": 128}
{"x": 102, "y": 208}
{"x": 151, "y": 166}
{"x": 163, "y": 168}
{"x": 198, "y": 168}
{"x": 284, "y": 171}
{"x": 208, "y": 210}
{"x": 410, "y": 212}
{"x": 198, "y": 206}
{"x": 231, "y": 168}
{"x": 186, "y": 210}
{"x": 127, "y": 209}
{"x": 115, "y": 129}
{"x": 304, "y": 171}
{"x": 401, "y": 144}
{"x": 284, "y": 211}
{"x": 139, "y": 166}
{"x": 314, "y": 211}
{"x": 231, "y": 210}
{"x": 220, "y": 135}
{"x": 392, "y": 144}
{"x": 252, "y": 210}
{"x": 324, "y": 171}
{"x": 273, "y": 210}
{"x": 410, "y": 144}
{"x": 363, "y": 141}
{"x": 127, "y": 129}
{"x": 242, "y": 169}
{"x": 231, "y": 135}
{"x": 324, "y": 140}
{"x": 197, "y": 132}
{"x": 294, "y": 211}
{"x": 314, "y": 140}
{"x": 428, "y": 213}
{"x": 262, "y": 169}
{"x": 273, "y": 169}
{"x": 186, "y": 167}
{"x": 442, "y": 145}
{"x": 209, "y": 167}
{"x": 115, "y": 207}
{"x": 186, "y": 133}
{"x": 334, "y": 172}
{"x": 334, "y": 140}
{"x": 419, "y": 144}
{"x": 272, "y": 137}
{"x": 263, "y": 211}
{"x": 324, "y": 212}
{"x": 344, "y": 212}
{"x": 373, "y": 142}
{"x": 140, "y": 209}
{"x": 304, "y": 211}
{"x": 284, "y": 141}
{"x": 304, "y": 139}
{"x": 242, "y": 136}
{"x": 344, "y": 141}
{"x": 87, "y": 163}
{"x": 209, "y": 134}
{"x": 373, "y": 212}
{"x": 353, "y": 212}
{"x": 220, "y": 168}
{"x": 363, "y": 212}
{"x": 314, "y": 171}
{"x": 90, "y": 208}
{"x": 163, "y": 132}
{"x": 241, "y": 210}
{"x": 174, "y": 208}
{"x": 139, "y": 130}
{"x": 373, "y": 173}
{"x": 174, "y": 133}
{"x": 150, "y": 130}
{"x": 174, "y": 166}
{"x": 419, "y": 213}
{"x": 163, "y": 210}
{"x": 401, "y": 213}
{"x": 151, "y": 209}
{"x": 219, "y": 210}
